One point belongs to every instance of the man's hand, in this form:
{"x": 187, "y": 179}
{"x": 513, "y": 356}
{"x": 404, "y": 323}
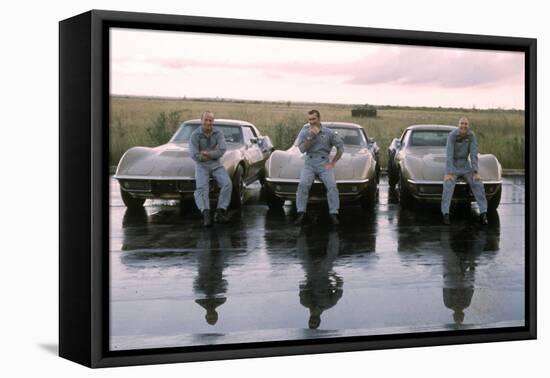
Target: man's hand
{"x": 205, "y": 155}
{"x": 313, "y": 131}
{"x": 330, "y": 166}
{"x": 449, "y": 177}
{"x": 477, "y": 177}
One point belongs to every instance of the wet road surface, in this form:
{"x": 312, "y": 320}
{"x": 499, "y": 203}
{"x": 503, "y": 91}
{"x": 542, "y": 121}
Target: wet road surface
{"x": 261, "y": 278}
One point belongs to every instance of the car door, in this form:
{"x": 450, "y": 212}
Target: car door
{"x": 253, "y": 154}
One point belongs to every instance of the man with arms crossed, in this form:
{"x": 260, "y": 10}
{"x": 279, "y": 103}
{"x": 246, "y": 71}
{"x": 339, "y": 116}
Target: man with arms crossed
{"x": 207, "y": 146}
{"x": 462, "y": 143}
{"x": 316, "y": 141}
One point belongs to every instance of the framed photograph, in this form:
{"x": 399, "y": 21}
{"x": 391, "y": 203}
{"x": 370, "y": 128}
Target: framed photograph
{"x": 235, "y": 188}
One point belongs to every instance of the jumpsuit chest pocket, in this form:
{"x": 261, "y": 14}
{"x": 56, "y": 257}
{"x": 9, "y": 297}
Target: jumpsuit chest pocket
{"x": 462, "y": 149}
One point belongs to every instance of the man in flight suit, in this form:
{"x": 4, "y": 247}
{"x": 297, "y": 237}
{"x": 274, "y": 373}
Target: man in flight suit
{"x": 207, "y": 146}
{"x": 317, "y": 141}
{"x": 462, "y": 143}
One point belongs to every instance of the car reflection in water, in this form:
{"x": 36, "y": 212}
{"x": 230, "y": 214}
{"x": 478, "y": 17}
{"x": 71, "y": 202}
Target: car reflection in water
{"x": 321, "y": 250}
{"x": 462, "y": 248}
{"x": 457, "y": 249}
{"x": 322, "y": 287}
{"x": 159, "y": 240}
{"x": 210, "y": 286}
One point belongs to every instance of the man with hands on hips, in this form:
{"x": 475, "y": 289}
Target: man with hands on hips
{"x": 316, "y": 141}
{"x": 462, "y": 143}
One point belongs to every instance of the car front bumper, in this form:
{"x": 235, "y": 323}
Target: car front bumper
{"x": 161, "y": 187}
{"x": 349, "y": 190}
{"x": 431, "y": 191}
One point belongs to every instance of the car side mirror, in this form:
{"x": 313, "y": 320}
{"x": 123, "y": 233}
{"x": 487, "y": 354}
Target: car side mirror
{"x": 254, "y": 140}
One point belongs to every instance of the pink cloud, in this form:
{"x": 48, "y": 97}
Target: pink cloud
{"x": 407, "y": 66}
{"x": 444, "y": 68}
{"x": 420, "y": 66}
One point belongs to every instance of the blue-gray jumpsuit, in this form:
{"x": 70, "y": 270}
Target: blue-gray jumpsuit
{"x": 316, "y": 157}
{"x": 457, "y": 164}
{"x": 215, "y": 145}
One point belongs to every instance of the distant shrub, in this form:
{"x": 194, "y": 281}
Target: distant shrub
{"x": 163, "y": 127}
{"x": 364, "y": 111}
{"x": 284, "y": 133}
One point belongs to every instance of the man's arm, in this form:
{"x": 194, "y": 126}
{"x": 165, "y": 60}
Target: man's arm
{"x": 450, "y": 165}
{"x": 473, "y": 153}
{"x": 339, "y": 144}
{"x": 220, "y": 147}
{"x": 194, "y": 148}
{"x": 305, "y": 141}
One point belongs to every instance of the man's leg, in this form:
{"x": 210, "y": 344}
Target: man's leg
{"x": 202, "y": 188}
{"x": 302, "y": 194}
{"x": 327, "y": 177}
{"x": 225, "y": 185}
{"x": 447, "y": 196}
{"x": 478, "y": 190}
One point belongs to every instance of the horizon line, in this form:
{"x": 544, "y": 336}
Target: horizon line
{"x": 187, "y": 98}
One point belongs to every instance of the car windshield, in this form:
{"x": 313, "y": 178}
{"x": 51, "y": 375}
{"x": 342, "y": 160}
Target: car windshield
{"x": 351, "y": 137}
{"x": 232, "y": 134}
{"x": 429, "y": 138}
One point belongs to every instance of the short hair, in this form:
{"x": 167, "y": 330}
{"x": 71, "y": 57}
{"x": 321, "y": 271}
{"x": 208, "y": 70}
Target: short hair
{"x": 463, "y": 118}
{"x": 316, "y": 112}
{"x": 206, "y": 112}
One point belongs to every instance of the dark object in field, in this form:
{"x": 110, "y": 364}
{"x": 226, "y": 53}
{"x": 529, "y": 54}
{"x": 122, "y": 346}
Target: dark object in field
{"x": 364, "y": 111}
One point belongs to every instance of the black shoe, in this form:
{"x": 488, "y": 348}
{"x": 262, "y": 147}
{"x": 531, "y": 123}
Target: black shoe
{"x": 300, "y": 218}
{"x": 446, "y": 219}
{"x": 220, "y": 216}
{"x": 334, "y": 219}
{"x": 483, "y": 219}
{"x": 206, "y": 218}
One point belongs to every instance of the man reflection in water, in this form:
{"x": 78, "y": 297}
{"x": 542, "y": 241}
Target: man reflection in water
{"x": 210, "y": 286}
{"x": 460, "y": 258}
{"x": 322, "y": 288}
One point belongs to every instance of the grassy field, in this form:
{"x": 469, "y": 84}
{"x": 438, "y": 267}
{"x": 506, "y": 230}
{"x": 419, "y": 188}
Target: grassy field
{"x": 150, "y": 122}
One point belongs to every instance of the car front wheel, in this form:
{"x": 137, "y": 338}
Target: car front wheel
{"x": 405, "y": 197}
{"x": 239, "y": 187}
{"x": 272, "y": 201}
{"x": 131, "y": 202}
{"x": 495, "y": 200}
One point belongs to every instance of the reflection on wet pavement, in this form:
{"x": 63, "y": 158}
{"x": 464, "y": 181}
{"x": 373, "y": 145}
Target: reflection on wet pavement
{"x": 174, "y": 283}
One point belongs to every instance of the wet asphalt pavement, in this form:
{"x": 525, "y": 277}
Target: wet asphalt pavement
{"x": 261, "y": 278}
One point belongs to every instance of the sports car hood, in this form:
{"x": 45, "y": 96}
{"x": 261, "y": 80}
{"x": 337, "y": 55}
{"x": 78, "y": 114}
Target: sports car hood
{"x": 425, "y": 163}
{"x": 169, "y": 159}
{"x": 289, "y": 164}
{"x": 428, "y": 163}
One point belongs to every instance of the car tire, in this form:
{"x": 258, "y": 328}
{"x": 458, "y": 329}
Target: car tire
{"x": 187, "y": 205}
{"x": 392, "y": 175}
{"x": 261, "y": 178}
{"x": 405, "y": 197}
{"x": 239, "y": 187}
{"x": 493, "y": 203}
{"x": 131, "y": 202}
{"x": 273, "y": 202}
{"x": 368, "y": 201}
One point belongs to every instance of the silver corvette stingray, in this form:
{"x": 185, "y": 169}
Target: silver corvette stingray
{"x": 357, "y": 172}
{"x": 416, "y": 167}
{"x": 168, "y": 171}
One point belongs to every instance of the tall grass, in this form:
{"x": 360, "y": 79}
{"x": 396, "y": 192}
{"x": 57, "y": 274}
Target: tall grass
{"x": 150, "y": 122}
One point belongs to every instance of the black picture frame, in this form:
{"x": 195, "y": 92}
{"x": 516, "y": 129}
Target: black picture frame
{"x": 84, "y": 191}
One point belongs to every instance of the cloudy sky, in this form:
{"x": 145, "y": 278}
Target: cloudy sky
{"x": 177, "y": 64}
